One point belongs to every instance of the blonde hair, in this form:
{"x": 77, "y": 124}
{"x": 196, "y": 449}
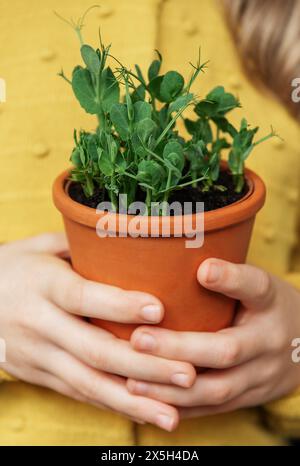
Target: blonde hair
{"x": 267, "y": 35}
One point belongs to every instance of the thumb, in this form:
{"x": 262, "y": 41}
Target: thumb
{"x": 252, "y": 286}
{"x": 51, "y": 243}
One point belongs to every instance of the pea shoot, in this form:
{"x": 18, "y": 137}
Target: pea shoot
{"x": 136, "y": 145}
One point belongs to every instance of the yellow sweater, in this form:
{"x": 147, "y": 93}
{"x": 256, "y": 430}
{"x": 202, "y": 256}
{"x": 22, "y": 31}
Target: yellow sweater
{"x": 36, "y": 125}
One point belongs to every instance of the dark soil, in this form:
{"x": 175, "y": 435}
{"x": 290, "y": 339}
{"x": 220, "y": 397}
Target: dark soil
{"x": 76, "y": 193}
{"x": 213, "y": 199}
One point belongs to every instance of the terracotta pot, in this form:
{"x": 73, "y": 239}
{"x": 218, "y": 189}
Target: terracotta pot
{"x": 162, "y": 266}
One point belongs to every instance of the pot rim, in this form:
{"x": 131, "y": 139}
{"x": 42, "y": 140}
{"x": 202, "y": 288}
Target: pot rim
{"x": 223, "y": 217}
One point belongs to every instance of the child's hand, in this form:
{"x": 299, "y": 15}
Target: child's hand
{"x": 250, "y": 363}
{"x": 47, "y": 344}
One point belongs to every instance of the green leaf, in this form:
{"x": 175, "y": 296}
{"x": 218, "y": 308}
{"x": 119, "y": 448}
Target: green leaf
{"x": 138, "y": 146}
{"x": 75, "y": 157}
{"x": 154, "y": 87}
{"x": 164, "y": 116}
{"x": 105, "y": 165}
{"x": 174, "y": 158}
{"x": 217, "y": 103}
{"x": 180, "y": 102}
{"x": 77, "y": 67}
{"x": 84, "y": 90}
{"x": 224, "y": 125}
{"x": 206, "y": 108}
{"x": 119, "y": 118}
{"x": 191, "y": 126}
{"x": 142, "y": 110}
{"x": 113, "y": 149}
{"x": 220, "y": 144}
{"x": 171, "y": 86}
{"x": 120, "y": 163}
{"x": 138, "y": 94}
{"x": 82, "y": 156}
{"x": 225, "y": 100}
{"x": 199, "y": 129}
{"x": 140, "y": 75}
{"x": 154, "y": 69}
{"x": 196, "y": 154}
{"x": 145, "y": 128}
{"x": 78, "y": 176}
{"x": 92, "y": 147}
{"x": 109, "y": 90}
{"x": 90, "y": 58}
{"x": 151, "y": 173}
{"x": 173, "y": 146}
{"x": 173, "y": 161}
{"x": 205, "y": 131}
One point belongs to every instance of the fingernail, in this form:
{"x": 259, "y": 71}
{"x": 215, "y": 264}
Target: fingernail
{"x": 181, "y": 379}
{"x": 151, "y": 313}
{"x": 213, "y": 273}
{"x": 146, "y": 342}
{"x": 140, "y": 387}
{"x": 165, "y": 422}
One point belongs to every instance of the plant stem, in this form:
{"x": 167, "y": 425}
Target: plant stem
{"x": 239, "y": 183}
{"x": 101, "y": 120}
{"x": 113, "y": 199}
{"x": 191, "y": 182}
{"x": 100, "y": 116}
{"x": 167, "y": 192}
{"x": 268, "y": 136}
{"x": 62, "y": 75}
{"x": 78, "y": 32}
{"x": 148, "y": 202}
{"x": 170, "y": 124}
{"x": 183, "y": 185}
{"x": 194, "y": 177}
{"x": 155, "y": 156}
{"x": 129, "y": 175}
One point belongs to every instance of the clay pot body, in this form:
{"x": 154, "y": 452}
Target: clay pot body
{"x": 163, "y": 266}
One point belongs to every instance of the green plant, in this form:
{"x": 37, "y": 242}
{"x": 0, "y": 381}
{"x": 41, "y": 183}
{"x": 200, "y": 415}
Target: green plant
{"x": 136, "y": 145}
